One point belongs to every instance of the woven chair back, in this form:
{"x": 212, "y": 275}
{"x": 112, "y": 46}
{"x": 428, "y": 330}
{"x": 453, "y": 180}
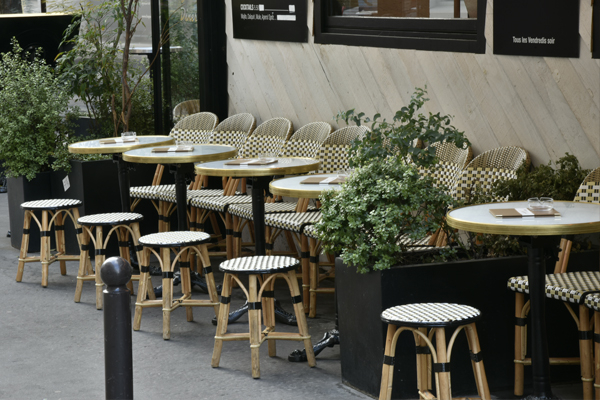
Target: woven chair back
{"x": 333, "y": 154}
{"x": 510, "y": 158}
{"x": 451, "y": 162}
{"x": 307, "y": 141}
{"x": 268, "y": 137}
{"x": 589, "y": 190}
{"x": 479, "y": 180}
{"x": 196, "y": 128}
{"x": 234, "y": 130}
{"x": 185, "y": 108}
{"x": 448, "y": 152}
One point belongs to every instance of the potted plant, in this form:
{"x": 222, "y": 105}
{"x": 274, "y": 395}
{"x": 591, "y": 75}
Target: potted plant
{"x": 383, "y": 199}
{"x": 35, "y": 124}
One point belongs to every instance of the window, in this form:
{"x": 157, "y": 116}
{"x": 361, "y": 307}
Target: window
{"x": 442, "y": 25}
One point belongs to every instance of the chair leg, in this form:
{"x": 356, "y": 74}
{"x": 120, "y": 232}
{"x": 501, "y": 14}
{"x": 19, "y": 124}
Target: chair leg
{"x": 186, "y": 285}
{"x": 24, "y": 245}
{"x": 254, "y": 325}
{"x": 585, "y": 352}
{"x": 45, "y": 248}
{"x": 423, "y": 378}
{"x": 480, "y": 377}
{"x": 304, "y": 253}
{"x": 268, "y": 302}
{"x": 142, "y": 288}
{"x": 222, "y": 320}
{"x": 597, "y": 354}
{"x": 444, "y": 392}
{"x": 167, "y": 284}
{"x": 83, "y": 263}
{"x": 387, "y": 372}
{"x": 123, "y": 239}
{"x": 519, "y": 356}
{"x": 99, "y": 261}
{"x": 314, "y": 277}
{"x": 209, "y": 277}
{"x": 59, "y": 234}
{"x": 301, "y": 319}
{"x": 229, "y": 235}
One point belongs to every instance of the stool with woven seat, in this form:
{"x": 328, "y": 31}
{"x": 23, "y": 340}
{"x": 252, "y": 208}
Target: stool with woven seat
{"x": 53, "y": 212}
{"x": 260, "y": 296}
{"x": 121, "y": 223}
{"x": 185, "y": 241}
{"x": 426, "y": 320}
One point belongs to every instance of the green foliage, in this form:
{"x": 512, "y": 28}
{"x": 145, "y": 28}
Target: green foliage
{"x": 35, "y": 117}
{"x": 385, "y": 197}
{"x": 560, "y": 183}
{"x": 184, "y": 64}
{"x": 93, "y": 70}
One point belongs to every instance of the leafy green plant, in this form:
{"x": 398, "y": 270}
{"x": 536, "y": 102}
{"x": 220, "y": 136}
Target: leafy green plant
{"x": 385, "y": 197}
{"x": 35, "y": 117}
{"x": 560, "y": 182}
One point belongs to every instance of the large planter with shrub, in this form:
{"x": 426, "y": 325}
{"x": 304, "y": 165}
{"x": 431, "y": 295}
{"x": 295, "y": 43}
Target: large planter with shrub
{"x": 479, "y": 283}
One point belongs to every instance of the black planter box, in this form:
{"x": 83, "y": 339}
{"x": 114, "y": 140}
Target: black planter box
{"x": 21, "y": 190}
{"x": 478, "y": 283}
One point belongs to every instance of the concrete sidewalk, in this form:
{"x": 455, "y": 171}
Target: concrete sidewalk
{"x": 53, "y": 348}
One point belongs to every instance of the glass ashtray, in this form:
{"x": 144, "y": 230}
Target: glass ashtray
{"x": 541, "y": 203}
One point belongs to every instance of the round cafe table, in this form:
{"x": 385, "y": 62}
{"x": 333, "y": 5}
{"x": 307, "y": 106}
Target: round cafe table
{"x": 539, "y": 235}
{"x": 262, "y": 175}
{"x": 96, "y": 147}
{"x": 181, "y": 164}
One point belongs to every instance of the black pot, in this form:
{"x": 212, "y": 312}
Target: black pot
{"x": 478, "y": 283}
{"x": 21, "y": 190}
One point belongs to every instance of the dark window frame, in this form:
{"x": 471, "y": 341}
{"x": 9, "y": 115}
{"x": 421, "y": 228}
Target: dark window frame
{"x": 454, "y": 35}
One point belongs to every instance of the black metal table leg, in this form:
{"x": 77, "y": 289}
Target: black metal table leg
{"x": 538, "y": 248}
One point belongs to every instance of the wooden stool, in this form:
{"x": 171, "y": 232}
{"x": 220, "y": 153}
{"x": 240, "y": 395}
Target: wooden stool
{"x": 52, "y": 213}
{"x": 195, "y": 241}
{"x": 417, "y": 318}
{"x": 259, "y": 297}
{"x": 123, "y": 224}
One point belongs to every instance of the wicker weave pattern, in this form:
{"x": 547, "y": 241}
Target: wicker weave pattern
{"x": 219, "y": 203}
{"x": 185, "y": 108}
{"x": 174, "y": 239}
{"x": 54, "y": 204}
{"x": 448, "y": 152}
{"x": 150, "y": 192}
{"x": 294, "y": 222}
{"x": 110, "y": 219}
{"x": 243, "y": 122}
{"x": 509, "y": 158}
{"x": 171, "y": 196}
{"x": 593, "y": 301}
{"x": 269, "y": 137}
{"x": 443, "y": 173}
{"x": 334, "y": 151}
{"x": 430, "y": 314}
{"x": 259, "y": 264}
{"x": 245, "y": 210}
{"x": 569, "y": 287}
{"x": 306, "y": 141}
{"x": 481, "y": 178}
{"x": 194, "y": 136}
{"x": 202, "y": 121}
{"x": 588, "y": 192}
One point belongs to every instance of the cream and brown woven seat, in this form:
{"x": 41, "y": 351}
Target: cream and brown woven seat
{"x": 426, "y": 321}
{"x": 185, "y": 108}
{"x": 53, "y": 214}
{"x": 186, "y": 241}
{"x": 268, "y": 137}
{"x": 333, "y": 156}
{"x": 451, "y": 162}
{"x": 196, "y": 128}
{"x": 262, "y": 271}
{"x": 120, "y": 223}
{"x": 569, "y": 287}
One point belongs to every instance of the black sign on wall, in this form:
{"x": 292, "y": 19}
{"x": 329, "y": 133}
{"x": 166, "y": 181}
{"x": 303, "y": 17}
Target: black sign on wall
{"x": 596, "y": 30}
{"x": 545, "y": 28}
{"x": 279, "y": 20}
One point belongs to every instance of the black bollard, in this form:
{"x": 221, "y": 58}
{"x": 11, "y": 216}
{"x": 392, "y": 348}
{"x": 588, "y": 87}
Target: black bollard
{"x": 118, "y": 356}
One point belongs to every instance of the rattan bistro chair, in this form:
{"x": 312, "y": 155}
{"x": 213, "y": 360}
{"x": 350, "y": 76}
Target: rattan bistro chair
{"x": 185, "y": 108}
{"x": 569, "y": 287}
{"x": 233, "y": 131}
{"x": 305, "y": 142}
{"x": 450, "y": 164}
{"x": 334, "y": 157}
{"x": 268, "y": 137}
{"x": 196, "y": 128}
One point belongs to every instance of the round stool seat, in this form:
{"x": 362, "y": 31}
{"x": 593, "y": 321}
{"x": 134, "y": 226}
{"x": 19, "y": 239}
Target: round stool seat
{"x": 259, "y": 265}
{"x": 174, "y": 239}
{"x": 116, "y": 218}
{"x": 431, "y": 315}
{"x": 54, "y": 204}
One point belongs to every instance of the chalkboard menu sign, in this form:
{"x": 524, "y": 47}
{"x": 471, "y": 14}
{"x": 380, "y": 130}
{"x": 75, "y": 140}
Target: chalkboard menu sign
{"x": 545, "y": 28}
{"x": 278, "y": 20}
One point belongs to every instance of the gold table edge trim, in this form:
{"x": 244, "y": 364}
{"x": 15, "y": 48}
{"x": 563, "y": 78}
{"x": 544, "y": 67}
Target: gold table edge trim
{"x": 249, "y": 172}
{"x": 120, "y": 149}
{"x": 297, "y": 193}
{"x": 179, "y": 159}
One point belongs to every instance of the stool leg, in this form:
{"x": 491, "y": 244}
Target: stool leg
{"x": 135, "y": 227}
{"x": 83, "y": 263}
{"x": 99, "y": 261}
{"x": 585, "y": 352}
{"x": 209, "y": 277}
{"x": 45, "y": 248}
{"x": 269, "y": 316}
{"x": 387, "y": 372}
{"x": 237, "y": 236}
{"x": 423, "y": 378}
{"x": 229, "y": 235}
{"x": 143, "y": 283}
{"x": 597, "y": 354}
{"x": 301, "y": 319}
{"x": 167, "y": 284}
{"x": 314, "y": 277}
{"x": 444, "y": 392}
{"x": 123, "y": 238}
{"x": 222, "y": 320}
{"x": 59, "y": 234}
{"x": 254, "y": 325}
{"x": 304, "y": 259}
{"x": 186, "y": 285}
{"x": 478, "y": 368}
{"x": 24, "y": 245}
